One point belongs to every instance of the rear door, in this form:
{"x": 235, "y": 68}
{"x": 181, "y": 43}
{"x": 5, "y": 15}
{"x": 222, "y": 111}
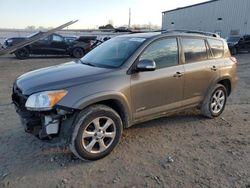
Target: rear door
{"x": 160, "y": 90}
{"x": 216, "y": 56}
{"x": 200, "y": 70}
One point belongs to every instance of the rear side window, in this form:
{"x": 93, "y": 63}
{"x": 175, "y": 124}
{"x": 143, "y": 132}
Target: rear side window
{"x": 194, "y": 49}
{"x": 164, "y": 52}
{"x": 216, "y": 47}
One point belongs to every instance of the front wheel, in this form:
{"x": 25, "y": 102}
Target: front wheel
{"x": 214, "y": 103}
{"x": 97, "y": 131}
{"x": 22, "y": 53}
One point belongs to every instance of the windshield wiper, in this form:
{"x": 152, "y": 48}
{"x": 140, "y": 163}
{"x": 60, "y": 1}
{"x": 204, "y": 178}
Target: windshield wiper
{"x": 87, "y": 63}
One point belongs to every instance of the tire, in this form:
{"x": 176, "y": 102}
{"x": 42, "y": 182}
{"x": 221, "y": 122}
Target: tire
{"x": 90, "y": 133}
{"x": 77, "y": 52}
{"x": 213, "y": 106}
{"x": 22, "y": 53}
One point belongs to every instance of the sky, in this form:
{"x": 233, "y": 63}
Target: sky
{"x": 91, "y": 14}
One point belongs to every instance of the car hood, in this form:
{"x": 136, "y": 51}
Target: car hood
{"x": 14, "y": 40}
{"x": 59, "y": 77}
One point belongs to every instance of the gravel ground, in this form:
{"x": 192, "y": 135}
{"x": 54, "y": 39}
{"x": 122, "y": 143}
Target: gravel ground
{"x": 183, "y": 150}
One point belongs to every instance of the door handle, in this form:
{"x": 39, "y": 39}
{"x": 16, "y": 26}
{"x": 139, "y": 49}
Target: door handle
{"x": 178, "y": 75}
{"x": 214, "y": 68}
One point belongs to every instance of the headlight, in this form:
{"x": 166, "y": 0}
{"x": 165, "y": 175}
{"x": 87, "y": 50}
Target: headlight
{"x": 10, "y": 41}
{"x": 44, "y": 101}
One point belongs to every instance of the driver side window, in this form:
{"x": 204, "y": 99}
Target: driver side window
{"x": 164, "y": 52}
{"x": 56, "y": 38}
{"x": 44, "y": 39}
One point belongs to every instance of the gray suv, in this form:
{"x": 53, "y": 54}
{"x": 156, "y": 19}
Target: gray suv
{"x": 133, "y": 78}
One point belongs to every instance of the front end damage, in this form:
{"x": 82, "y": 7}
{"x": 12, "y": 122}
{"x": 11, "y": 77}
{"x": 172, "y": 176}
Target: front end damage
{"x": 55, "y": 125}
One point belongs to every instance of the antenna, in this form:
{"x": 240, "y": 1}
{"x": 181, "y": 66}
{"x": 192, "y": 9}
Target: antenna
{"x": 129, "y": 19}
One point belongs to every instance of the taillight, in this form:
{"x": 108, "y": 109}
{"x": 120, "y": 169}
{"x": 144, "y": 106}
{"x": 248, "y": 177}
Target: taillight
{"x": 234, "y": 60}
{"x": 89, "y": 45}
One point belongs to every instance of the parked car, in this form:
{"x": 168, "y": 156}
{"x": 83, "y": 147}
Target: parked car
{"x": 54, "y": 44}
{"x": 122, "y": 29}
{"x": 238, "y": 43}
{"x": 128, "y": 79}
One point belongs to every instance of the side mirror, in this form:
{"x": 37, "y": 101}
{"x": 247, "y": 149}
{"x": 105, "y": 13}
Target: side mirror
{"x": 146, "y": 65}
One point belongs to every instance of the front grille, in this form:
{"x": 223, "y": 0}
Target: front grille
{"x": 30, "y": 120}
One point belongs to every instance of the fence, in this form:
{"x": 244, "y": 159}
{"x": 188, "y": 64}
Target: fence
{"x": 8, "y": 33}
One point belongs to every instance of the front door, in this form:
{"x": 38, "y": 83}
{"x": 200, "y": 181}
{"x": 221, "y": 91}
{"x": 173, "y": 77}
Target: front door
{"x": 58, "y": 45}
{"x": 160, "y": 90}
{"x": 42, "y": 46}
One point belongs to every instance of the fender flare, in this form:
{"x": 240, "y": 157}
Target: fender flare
{"x": 225, "y": 77}
{"x": 105, "y": 96}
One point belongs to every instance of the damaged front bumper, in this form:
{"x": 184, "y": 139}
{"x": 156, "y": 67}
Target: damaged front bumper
{"x": 55, "y": 125}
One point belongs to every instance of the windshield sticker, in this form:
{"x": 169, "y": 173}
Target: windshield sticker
{"x": 137, "y": 39}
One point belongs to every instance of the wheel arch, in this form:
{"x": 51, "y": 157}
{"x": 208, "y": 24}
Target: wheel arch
{"x": 226, "y": 82}
{"x": 116, "y": 101}
{"x": 81, "y": 47}
{"x": 75, "y": 47}
{"x": 27, "y": 47}
{"x": 78, "y": 46}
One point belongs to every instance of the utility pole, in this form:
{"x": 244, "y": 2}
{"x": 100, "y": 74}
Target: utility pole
{"x": 129, "y": 19}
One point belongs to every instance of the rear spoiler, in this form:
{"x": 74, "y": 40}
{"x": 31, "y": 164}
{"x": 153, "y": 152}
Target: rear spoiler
{"x": 33, "y": 39}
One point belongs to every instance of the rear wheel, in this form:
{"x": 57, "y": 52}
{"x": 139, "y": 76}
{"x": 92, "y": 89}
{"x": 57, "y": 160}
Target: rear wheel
{"x": 22, "y": 53}
{"x": 215, "y": 102}
{"x": 234, "y": 51}
{"x": 97, "y": 131}
{"x": 77, "y": 52}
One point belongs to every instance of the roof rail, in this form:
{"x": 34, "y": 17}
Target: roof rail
{"x": 146, "y": 31}
{"x": 194, "y": 32}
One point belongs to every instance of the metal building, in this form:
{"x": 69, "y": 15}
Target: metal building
{"x": 225, "y": 17}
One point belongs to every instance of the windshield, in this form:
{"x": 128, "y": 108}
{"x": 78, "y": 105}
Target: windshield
{"x": 33, "y": 34}
{"x": 112, "y": 53}
{"x": 233, "y": 39}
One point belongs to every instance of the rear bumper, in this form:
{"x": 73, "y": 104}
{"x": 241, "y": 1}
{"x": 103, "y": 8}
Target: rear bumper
{"x": 234, "y": 83}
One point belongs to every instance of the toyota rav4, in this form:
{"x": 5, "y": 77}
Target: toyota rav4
{"x": 133, "y": 78}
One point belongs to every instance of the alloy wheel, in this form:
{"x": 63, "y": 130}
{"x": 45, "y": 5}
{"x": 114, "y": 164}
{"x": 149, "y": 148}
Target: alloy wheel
{"x": 98, "y": 135}
{"x": 218, "y": 101}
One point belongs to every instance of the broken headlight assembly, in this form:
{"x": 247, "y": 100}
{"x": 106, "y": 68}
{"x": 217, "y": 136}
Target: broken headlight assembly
{"x": 44, "y": 101}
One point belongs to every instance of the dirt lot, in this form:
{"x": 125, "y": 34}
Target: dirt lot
{"x": 184, "y": 150}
